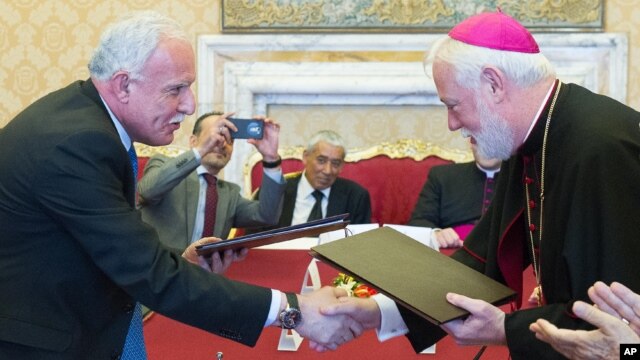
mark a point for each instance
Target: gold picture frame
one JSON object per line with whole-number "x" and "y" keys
{"x": 296, "y": 16}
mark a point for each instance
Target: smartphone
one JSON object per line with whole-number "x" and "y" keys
{"x": 247, "y": 128}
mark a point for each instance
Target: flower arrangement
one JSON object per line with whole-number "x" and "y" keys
{"x": 353, "y": 286}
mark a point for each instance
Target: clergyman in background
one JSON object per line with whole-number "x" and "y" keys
{"x": 454, "y": 197}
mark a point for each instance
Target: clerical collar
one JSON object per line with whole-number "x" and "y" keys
{"x": 489, "y": 173}
{"x": 540, "y": 110}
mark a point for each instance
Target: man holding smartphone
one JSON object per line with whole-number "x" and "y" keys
{"x": 182, "y": 197}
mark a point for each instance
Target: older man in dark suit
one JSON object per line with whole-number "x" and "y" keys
{"x": 76, "y": 256}
{"x": 318, "y": 191}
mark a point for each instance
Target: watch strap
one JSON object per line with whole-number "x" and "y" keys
{"x": 291, "y": 316}
{"x": 292, "y": 300}
{"x": 272, "y": 164}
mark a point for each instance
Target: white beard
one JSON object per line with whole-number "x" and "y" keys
{"x": 495, "y": 138}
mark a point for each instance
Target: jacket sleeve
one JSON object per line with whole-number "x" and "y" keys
{"x": 162, "y": 174}
{"x": 266, "y": 209}
{"x": 83, "y": 188}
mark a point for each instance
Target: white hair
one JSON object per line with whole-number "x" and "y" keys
{"x": 468, "y": 60}
{"x": 127, "y": 44}
{"x": 328, "y": 136}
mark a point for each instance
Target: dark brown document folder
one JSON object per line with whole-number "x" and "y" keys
{"x": 311, "y": 228}
{"x": 410, "y": 273}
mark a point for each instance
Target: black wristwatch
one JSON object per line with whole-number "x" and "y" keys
{"x": 291, "y": 316}
{"x": 272, "y": 164}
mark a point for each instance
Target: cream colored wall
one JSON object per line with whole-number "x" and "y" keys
{"x": 45, "y": 44}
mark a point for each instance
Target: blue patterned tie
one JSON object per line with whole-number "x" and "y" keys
{"x": 133, "y": 157}
{"x": 134, "y": 343}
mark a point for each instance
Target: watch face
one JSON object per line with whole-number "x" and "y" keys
{"x": 290, "y": 318}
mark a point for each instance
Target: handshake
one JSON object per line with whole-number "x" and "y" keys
{"x": 330, "y": 318}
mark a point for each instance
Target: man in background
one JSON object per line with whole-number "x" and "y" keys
{"x": 76, "y": 255}
{"x": 319, "y": 192}
{"x": 184, "y": 200}
{"x": 455, "y": 195}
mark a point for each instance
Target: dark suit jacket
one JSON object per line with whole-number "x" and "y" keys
{"x": 346, "y": 197}
{"x": 169, "y": 193}
{"x": 452, "y": 195}
{"x": 75, "y": 252}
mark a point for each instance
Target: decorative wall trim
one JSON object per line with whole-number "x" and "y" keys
{"x": 402, "y": 16}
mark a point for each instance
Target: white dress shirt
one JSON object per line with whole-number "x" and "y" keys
{"x": 305, "y": 201}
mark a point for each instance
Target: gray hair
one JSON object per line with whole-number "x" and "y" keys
{"x": 328, "y": 136}
{"x": 127, "y": 44}
{"x": 468, "y": 60}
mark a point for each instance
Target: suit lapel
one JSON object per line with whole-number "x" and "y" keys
{"x": 287, "y": 208}
{"x": 192, "y": 189}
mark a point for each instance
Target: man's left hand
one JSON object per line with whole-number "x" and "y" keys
{"x": 215, "y": 263}
{"x": 484, "y": 325}
{"x": 268, "y": 145}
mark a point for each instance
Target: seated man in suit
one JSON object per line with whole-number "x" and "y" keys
{"x": 455, "y": 194}
{"x": 183, "y": 199}
{"x": 318, "y": 191}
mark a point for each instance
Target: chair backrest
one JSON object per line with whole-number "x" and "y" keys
{"x": 393, "y": 173}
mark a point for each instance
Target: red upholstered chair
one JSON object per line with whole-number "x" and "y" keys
{"x": 394, "y": 173}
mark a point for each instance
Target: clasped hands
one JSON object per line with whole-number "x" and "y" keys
{"x": 325, "y": 332}
{"x": 484, "y": 325}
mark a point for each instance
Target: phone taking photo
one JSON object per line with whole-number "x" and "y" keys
{"x": 247, "y": 128}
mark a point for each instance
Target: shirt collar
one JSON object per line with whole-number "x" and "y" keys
{"x": 201, "y": 170}
{"x": 306, "y": 189}
{"x": 124, "y": 137}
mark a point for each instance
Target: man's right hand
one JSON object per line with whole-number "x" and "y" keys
{"x": 219, "y": 134}
{"x": 325, "y": 332}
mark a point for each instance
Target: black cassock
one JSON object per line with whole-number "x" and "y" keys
{"x": 591, "y": 217}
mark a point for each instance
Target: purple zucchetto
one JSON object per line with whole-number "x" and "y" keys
{"x": 495, "y": 30}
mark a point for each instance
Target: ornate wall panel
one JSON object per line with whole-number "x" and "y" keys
{"x": 407, "y": 15}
